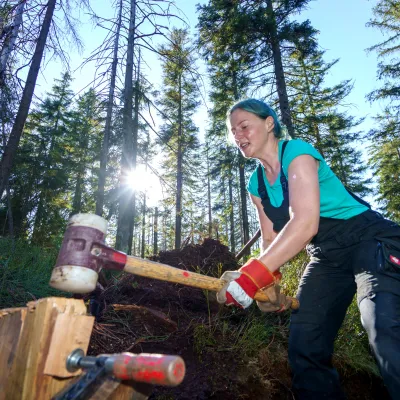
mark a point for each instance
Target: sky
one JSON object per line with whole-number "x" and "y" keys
{"x": 342, "y": 34}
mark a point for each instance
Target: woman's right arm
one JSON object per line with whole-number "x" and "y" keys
{"x": 267, "y": 233}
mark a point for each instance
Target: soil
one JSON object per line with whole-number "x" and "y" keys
{"x": 141, "y": 315}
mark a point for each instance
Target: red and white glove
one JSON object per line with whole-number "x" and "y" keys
{"x": 242, "y": 285}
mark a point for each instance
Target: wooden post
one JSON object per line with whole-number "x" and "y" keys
{"x": 11, "y": 323}
{"x": 34, "y": 344}
{"x": 49, "y": 330}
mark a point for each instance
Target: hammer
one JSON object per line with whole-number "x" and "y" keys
{"x": 84, "y": 253}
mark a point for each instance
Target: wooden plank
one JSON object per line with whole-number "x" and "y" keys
{"x": 11, "y": 323}
{"x": 27, "y": 380}
{"x": 70, "y": 332}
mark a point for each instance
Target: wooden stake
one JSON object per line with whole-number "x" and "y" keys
{"x": 27, "y": 379}
{"x": 11, "y": 323}
{"x": 34, "y": 344}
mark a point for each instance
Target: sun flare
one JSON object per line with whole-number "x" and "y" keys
{"x": 141, "y": 180}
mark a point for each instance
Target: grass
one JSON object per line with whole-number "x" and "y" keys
{"x": 25, "y": 273}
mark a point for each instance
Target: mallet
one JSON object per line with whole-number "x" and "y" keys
{"x": 84, "y": 253}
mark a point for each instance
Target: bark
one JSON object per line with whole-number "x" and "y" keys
{"x": 77, "y": 200}
{"x": 9, "y": 212}
{"x": 16, "y": 132}
{"x": 279, "y": 74}
{"x": 125, "y": 192}
{"x": 231, "y": 217}
{"x": 9, "y": 42}
{"x": 179, "y": 174}
{"x": 242, "y": 179}
{"x": 209, "y": 197}
{"x": 155, "y": 233}
{"x": 135, "y": 147}
{"x": 107, "y": 128}
{"x": 143, "y": 226}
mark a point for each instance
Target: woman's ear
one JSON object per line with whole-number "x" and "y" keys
{"x": 269, "y": 123}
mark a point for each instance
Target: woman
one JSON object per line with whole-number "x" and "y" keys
{"x": 300, "y": 202}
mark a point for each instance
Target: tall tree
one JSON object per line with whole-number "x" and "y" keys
{"x": 128, "y": 163}
{"x": 229, "y": 63}
{"x": 84, "y": 137}
{"x": 179, "y": 102}
{"x": 52, "y": 183}
{"x": 107, "y": 127}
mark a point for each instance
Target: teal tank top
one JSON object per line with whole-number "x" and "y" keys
{"x": 335, "y": 200}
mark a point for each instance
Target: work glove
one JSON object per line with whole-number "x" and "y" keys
{"x": 277, "y": 301}
{"x": 242, "y": 285}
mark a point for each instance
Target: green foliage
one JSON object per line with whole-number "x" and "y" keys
{"x": 204, "y": 338}
{"x": 178, "y": 134}
{"x": 385, "y": 161}
{"x": 25, "y": 272}
{"x": 292, "y": 272}
{"x": 385, "y": 147}
{"x": 317, "y": 119}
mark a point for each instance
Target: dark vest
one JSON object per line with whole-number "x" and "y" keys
{"x": 280, "y": 215}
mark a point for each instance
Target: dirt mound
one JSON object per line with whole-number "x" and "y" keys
{"x": 139, "y": 315}
{"x": 209, "y": 258}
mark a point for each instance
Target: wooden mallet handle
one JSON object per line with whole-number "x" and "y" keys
{"x": 163, "y": 272}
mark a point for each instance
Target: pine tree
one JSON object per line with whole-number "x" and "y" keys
{"x": 52, "y": 183}
{"x": 317, "y": 117}
{"x": 84, "y": 138}
{"x": 385, "y": 138}
{"x": 178, "y": 134}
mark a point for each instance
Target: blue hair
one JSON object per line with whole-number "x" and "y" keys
{"x": 262, "y": 110}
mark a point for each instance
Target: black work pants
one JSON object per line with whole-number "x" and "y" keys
{"x": 340, "y": 267}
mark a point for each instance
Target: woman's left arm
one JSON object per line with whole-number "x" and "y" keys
{"x": 304, "y": 210}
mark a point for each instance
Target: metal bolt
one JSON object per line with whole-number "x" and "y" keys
{"x": 96, "y": 251}
{"x": 73, "y": 360}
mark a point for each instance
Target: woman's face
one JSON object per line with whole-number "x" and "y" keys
{"x": 250, "y": 132}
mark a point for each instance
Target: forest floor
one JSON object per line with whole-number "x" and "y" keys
{"x": 142, "y": 315}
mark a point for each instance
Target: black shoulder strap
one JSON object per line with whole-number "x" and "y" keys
{"x": 284, "y": 182}
{"x": 262, "y": 190}
{"x": 359, "y": 199}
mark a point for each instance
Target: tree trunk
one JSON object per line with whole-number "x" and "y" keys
{"x": 155, "y": 235}
{"x": 231, "y": 217}
{"x": 209, "y": 197}
{"x": 16, "y": 132}
{"x": 125, "y": 190}
{"x": 242, "y": 179}
{"x": 9, "y": 42}
{"x": 178, "y": 208}
{"x": 107, "y": 128}
{"x": 9, "y": 212}
{"x": 243, "y": 199}
{"x": 77, "y": 200}
{"x": 143, "y": 226}
{"x": 135, "y": 147}
{"x": 279, "y": 74}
